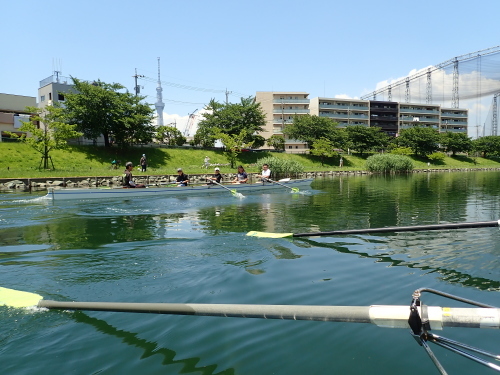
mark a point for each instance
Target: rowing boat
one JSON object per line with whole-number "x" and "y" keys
{"x": 119, "y": 192}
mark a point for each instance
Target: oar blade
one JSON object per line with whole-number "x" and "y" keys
{"x": 295, "y": 190}
{"x": 16, "y": 298}
{"x": 269, "y": 235}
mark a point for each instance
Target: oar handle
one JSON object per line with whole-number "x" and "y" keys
{"x": 383, "y": 316}
{"x": 480, "y": 224}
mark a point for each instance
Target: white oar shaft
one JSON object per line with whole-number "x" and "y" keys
{"x": 384, "y": 316}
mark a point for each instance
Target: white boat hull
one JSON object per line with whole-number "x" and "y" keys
{"x": 95, "y": 193}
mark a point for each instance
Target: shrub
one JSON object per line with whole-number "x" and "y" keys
{"x": 402, "y": 151}
{"x": 389, "y": 163}
{"x": 436, "y": 157}
{"x": 281, "y": 167}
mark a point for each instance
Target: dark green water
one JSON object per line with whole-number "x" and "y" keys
{"x": 195, "y": 250}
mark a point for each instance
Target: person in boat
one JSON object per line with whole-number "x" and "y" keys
{"x": 128, "y": 179}
{"x": 182, "y": 179}
{"x": 266, "y": 172}
{"x": 241, "y": 176}
{"x": 217, "y": 177}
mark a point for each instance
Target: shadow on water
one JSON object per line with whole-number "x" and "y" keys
{"x": 150, "y": 348}
{"x": 449, "y": 275}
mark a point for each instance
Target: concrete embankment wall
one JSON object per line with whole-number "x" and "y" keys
{"x": 26, "y": 184}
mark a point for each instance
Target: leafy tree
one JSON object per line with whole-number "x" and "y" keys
{"x": 277, "y": 142}
{"x": 169, "y": 135}
{"x": 53, "y": 135}
{"x": 456, "y": 142}
{"x": 421, "y": 140}
{"x": 323, "y": 148}
{"x": 100, "y": 108}
{"x": 487, "y": 145}
{"x": 233, "y": 143}
{"x": 309, "y": 128}
{"x": 362, "y": 138}
{"x": 231, "y": 119}
{"x": 258, "y": 141}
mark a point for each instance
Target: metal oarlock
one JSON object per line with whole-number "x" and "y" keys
{"x": 420, "y": 327}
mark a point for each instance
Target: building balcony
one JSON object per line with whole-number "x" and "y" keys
{"x": 290, "y": 111}
{"x": 343, "y": 116}
{"x": 409, "y": 126}
{"x": 453, "y": 115}
{"x": 453, "y": 130}
{"x": 419, "y": 119}
{"x": 291, "y": 101}
{"x": 345, "y": 107}
{"x": 453, "y": 123}
{"x": 277, "y": 130}
{"x": 412, "y": 110}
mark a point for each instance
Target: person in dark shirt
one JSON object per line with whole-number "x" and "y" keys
{"x": 182, "y": 179}
{"x": 241, "y": 177}
{"x": 127, "y": 178}
{"x": 217, "y": 177}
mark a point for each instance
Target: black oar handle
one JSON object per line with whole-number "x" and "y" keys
{"x": 479, "y": 224}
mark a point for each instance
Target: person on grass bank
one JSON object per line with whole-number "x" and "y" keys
{"x": 143, "y": 162}
{"x": 182, "y": 179}
{"x": 241, "y": 177}
{"x": 217, "y": 177}
{"x": 127, "y": 178}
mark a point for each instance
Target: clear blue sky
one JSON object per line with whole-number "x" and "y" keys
{"x": 322, "y": 47}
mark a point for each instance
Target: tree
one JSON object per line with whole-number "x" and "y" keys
{"x": 169, "y": 135}
{"x": 323, "y": 148}
{"x": 487, "y": 145}
{"x": 233, "y": 145}
{"x": 277, "y": 142}
{"x": 456, "y": 142}
{"x": 309, "y": 128}
{"x": 231, "y": 119}
{"x": 53, "y": 136}
{"x": 100, "y": 109}
{"x": 421, "y": 140}
{"x": 362, "y": 138}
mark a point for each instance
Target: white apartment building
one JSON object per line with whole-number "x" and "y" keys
{"x": 280, "y": 107}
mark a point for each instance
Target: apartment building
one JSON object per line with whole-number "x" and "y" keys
{"x": 343, "y": 111}
{"x": 12, "y": 112}
{"x": 280, "y": 108}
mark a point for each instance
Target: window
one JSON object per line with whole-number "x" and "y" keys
{"x": 50, "y": 96}
{"x": 42, "y": 98}
{"x": 60, "y": 97}
{"x": 289, "y": 146}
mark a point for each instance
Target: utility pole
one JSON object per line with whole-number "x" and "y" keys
{"x": 227, "y": 93}
{"x": 137, "y": 89}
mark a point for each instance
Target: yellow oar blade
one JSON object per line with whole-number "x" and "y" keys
{"x": 269, "y": 235}
{"x": 16, "y": 298}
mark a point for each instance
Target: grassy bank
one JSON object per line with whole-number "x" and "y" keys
{"x": 20, "y": 161}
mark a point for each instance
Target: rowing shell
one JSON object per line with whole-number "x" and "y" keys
{"x": 119, "y": 192}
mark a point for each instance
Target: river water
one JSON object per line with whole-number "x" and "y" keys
{"x": 194, "y": 250}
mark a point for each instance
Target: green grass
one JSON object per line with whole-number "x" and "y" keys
{"x": 20, "y": 161}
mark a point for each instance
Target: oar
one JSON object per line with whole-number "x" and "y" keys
{"x": 293, "y": 189}
{"x": 233, "y": 191}
{"x": 479, "y": 224}
{"x": 383, "y": 316}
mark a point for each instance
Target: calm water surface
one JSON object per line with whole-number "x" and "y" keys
{"x": 195, "y": 250}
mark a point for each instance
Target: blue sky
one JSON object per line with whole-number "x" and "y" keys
{"x": 325, "y": 48}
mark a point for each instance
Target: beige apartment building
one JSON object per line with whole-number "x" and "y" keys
{"x": 280, "y": 107}
{"x": 12, "y": 112}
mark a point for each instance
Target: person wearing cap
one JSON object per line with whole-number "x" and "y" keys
{"x": 217, "y": 177}
{"x": 143, "y": 162}
{"x": 127, "y": 178}
{"x": 182, "y": 179}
